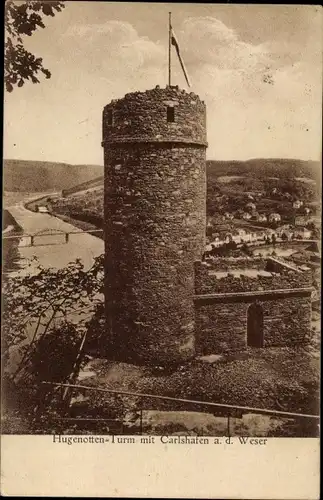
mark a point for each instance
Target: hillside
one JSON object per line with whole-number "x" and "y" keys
{"x": 40, "y": 176}
{"x": 85, "y": 186}
{"x": 277, "y": 182}
{"x": 266, "y": 167}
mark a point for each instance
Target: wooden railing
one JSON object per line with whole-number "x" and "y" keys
{"x": 228, "y": 409}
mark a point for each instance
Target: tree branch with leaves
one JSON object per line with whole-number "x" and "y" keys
{"x": 23, "y": 19}
{"x": 50, "y": 317}
{"x": 34, "y": 304}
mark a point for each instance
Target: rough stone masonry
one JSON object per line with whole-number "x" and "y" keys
{"x": 155, "y": 212}
{"x": 155, "y": 223}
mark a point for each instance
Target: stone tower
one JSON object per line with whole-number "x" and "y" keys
{"x": 154, "y": 221}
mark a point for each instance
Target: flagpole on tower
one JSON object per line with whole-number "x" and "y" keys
{"x": 173, "y": 41}
{"x": 169, "y": 48}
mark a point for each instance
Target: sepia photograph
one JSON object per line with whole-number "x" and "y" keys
{"x": 161, "y": 237}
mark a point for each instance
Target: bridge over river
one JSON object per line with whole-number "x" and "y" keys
{"x": 54, "y": 242}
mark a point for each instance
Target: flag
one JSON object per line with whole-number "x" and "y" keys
{"x": 176, "y": 45}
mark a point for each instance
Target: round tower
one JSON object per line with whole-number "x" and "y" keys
{"x": 154, "y": 222}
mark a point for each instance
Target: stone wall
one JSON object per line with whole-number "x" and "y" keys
{"x": 282, "y": 277}
{"x": 221, "y": 325}
{"x": 232, "y": 263}
{"x": 154, "y": 213}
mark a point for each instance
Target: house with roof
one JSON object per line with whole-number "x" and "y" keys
{"x": 261, "y": 218}
{"x": 269, "y": 232}
{"x": 282, "y": 228}
{"x": 274, "y": 217}
{"x": 302, "y": 220}
{"x": 246, "y": 236}
{"x": 297, "y": 204}
{"x": 286, "y": 234}
{"x": 302, "y": 232}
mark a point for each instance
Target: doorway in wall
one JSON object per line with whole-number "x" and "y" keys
{"x": 255, "y": 326}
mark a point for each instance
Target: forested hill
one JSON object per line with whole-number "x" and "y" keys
{"x": 34, "y": 176}
{"x": 266, "y": 167}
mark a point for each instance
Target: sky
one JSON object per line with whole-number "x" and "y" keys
{"x": 257, "y": 67}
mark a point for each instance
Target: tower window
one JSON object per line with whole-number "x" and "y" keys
{"x": 170, "y": 114}
{"x": 110, "y": 117}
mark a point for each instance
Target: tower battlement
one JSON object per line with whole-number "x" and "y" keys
{"x": 158, "y": 115}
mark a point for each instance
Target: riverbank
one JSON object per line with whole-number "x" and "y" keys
{"x": 80, "y": 224}
{"x": 79, "y": 221}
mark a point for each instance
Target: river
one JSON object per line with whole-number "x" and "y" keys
{"x": 52, "y": 251}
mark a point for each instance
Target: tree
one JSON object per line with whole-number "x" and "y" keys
{"x": 311, "y": 226}
{"x": 24, "y": 19}
{"x": 35, "y": 304}
{"x": 50, "y": 318}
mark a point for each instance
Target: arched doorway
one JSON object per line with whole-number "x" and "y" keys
{"x": 255, "y": 326}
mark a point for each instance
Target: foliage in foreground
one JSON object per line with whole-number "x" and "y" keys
{"x": 23, "y": 19}
{"x": 48, "y": 315}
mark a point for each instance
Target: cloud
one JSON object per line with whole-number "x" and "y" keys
{"x": 210, "y": 29}
{"x": 203, "y": 41}
{"x": 114, "y": 42}
{"x": 116, "y": 30}
{"x": 209, "y": 40}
